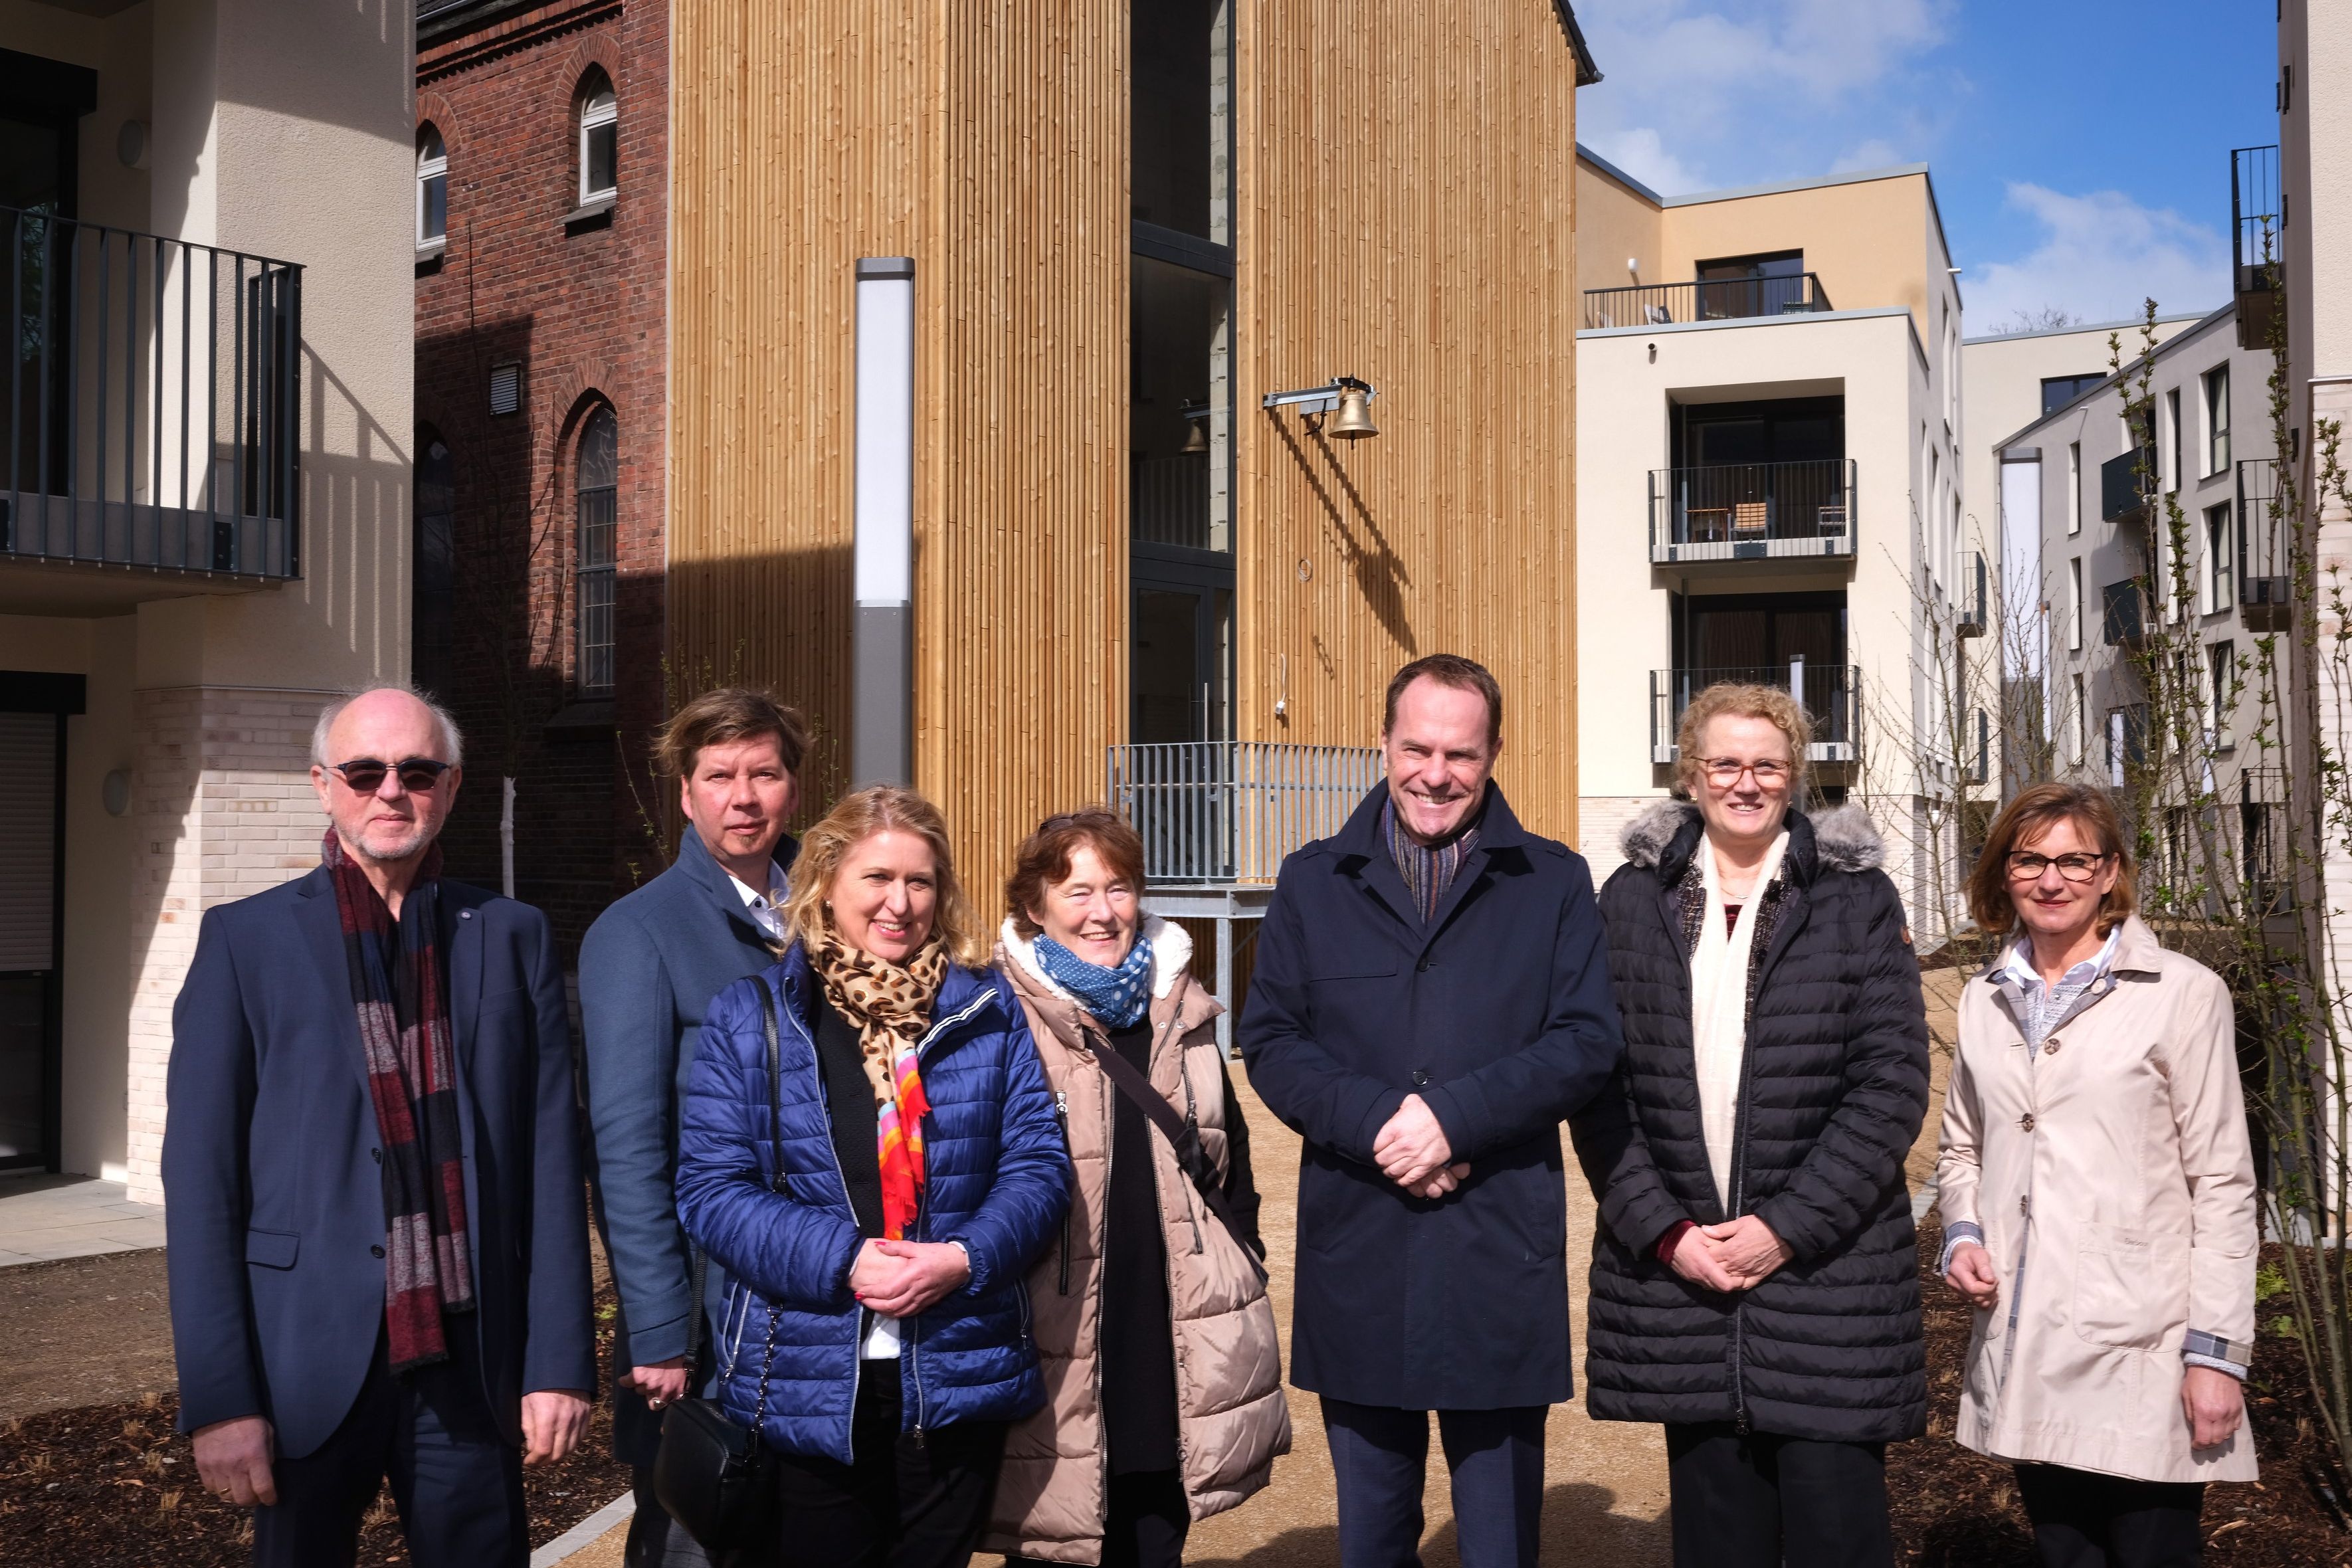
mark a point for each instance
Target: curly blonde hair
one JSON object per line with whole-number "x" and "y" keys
{"x": 1740, "y": 700}
{"x": 881, "y": 809}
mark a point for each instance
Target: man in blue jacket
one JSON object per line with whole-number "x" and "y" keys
{"x": 379, "y": 1250}
{"x": 648, "y": 969}
{"x": 1431, "y": 998}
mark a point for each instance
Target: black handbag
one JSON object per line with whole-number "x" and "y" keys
{"x": 713, "y": 1474}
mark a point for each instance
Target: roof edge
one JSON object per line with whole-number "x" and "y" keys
{"x": 2085, "y": 327}
{"x": 1778, "y": 187}
{"x": 1587, "y": 71}
{"x": 2179, "y": 341}
{"x": 1618, "y": 174}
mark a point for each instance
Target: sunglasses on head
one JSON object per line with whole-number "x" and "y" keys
{"x": 366, "y": 774}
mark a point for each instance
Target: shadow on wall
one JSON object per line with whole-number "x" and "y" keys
{"x": 1381, "y": 576}
{"x": 1579, "y": 1532}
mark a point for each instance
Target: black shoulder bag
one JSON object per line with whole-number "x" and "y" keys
{"x": 1182, "y": 1135}
{"x": 712, "y": 1475}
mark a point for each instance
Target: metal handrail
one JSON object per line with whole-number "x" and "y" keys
{"x": 1713, "y": 299}
{"x": 1229, "y": 811}
{"x": 2257, "y": 214}
{"x": 1831, "y": 695}
{"x": 1731, "y": 511}
{"x": 151, "y": 411}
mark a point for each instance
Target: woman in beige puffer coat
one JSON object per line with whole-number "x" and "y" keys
{"x": 1163, "y": 1378}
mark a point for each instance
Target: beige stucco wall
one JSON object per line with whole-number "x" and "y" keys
{"x": 1614, "y": 225}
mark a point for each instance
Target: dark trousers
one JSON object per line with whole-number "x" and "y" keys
{"x": 2086, "y": 1520}
{"x": 1379, "y": 1457}
{"x": 903, "y": 1503}
{"x": 1144, "y": 1524}
{"x": 655, "y": 1540}
{"x": 457, "y": 1481}
{"x": 1761, "y": 1501}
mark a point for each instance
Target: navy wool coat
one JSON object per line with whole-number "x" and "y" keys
{"x": 997, "y": 1179}
{"x": 274, "y": 1197}
{"x": 1833, "y": 1086}
{"x": 1499, "y": 1015}
{"x": 648, "y": 969}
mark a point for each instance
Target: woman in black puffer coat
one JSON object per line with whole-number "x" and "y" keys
{"x": 1755, "y": 1282}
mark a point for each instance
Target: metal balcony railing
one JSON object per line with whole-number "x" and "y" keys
{"x": 1974, "y": 598}
{"x": 1228, "y": 811}
{"x": 1980, "y": 770}
{"x": 2265, "y": 571}
{"x": 2257, "y": 216}
{"x": 1752, "y": 512}
{"x": 2120, "y": 495}
{"x": 1829, "y": 693}
{"x": 1722, "y": 300}
{"x": 150, "y": 410}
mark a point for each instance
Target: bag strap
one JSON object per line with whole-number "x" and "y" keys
{"x": 776, "y": 1144}
{"x": 696, "y": 1328}
{"x": 1183, "y": 1135}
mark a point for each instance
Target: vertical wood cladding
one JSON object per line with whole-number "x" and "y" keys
{"x": 1405, "y": 183}
{"x": 1406, "y": 180}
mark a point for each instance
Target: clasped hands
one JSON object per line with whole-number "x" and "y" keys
{"x": 1733, "y": 1256}
{"x": 900, "y": 1278}
{"x": 1412, "y": 1150}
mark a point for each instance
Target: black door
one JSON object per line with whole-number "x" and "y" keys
{"x": 1180, "y": 665}
{"x": 33, "y": 711}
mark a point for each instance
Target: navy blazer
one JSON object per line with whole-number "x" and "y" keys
{"x": 648, "y": 969}
{"x": 1499, "y": 1014}
{"x": 273, "y": 1190}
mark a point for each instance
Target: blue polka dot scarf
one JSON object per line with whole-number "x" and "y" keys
{"x": 1116, "y": 998}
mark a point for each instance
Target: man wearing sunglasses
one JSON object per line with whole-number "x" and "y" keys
{"x": 378, "y": 1254}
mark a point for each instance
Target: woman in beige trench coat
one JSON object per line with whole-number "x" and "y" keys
{"x": 2098, "y": 1198}
{"x": 1163, "y": 1378}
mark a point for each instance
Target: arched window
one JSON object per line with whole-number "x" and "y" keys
{"x": 432, "y": 189}
{"x": 432, "y": 612}
{"x": 597, "y": 468}
{"x": 600, "y": 126}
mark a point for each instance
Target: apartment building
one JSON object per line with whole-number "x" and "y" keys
{"x": 204, "y": 503}
{"x": 2128, "y": 587}
{"x": 542, "y": 309}
{"x": 1769, "y": 406}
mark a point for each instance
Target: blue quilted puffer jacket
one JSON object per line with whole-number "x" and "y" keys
{"x": 997, "y": 1179}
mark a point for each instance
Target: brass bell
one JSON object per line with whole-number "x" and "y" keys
{"x": 1196, "y": 436}
{"x": 1354, "y": 419}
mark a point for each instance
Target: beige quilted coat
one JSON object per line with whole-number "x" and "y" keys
{"x": 1232, "y": 1419}
{"x": 2113, "y": 1180}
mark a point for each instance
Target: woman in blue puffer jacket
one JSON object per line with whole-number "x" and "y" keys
{"x": 878, "y": 1329}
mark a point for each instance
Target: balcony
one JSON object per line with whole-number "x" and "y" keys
{"x": 1969, "y": 615}
{"x": 2125, "y": 617}
{"x": 1725, "y": 299}
{"x": 1829, "y": 693}
{"x": 151, "y": 413}
{"x": 1752, "y": 512}
{"x": 1980, "y": 770}
{"x": 1218, "y": 812}
{"x": 2265, "y": 571}
{"x": 2257, "y": 214}
{"x": 2121, "y": 495}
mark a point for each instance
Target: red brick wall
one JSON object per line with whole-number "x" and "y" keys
{"x": 584, "y": 307}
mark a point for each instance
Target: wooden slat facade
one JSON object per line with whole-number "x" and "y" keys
{"x": 1404, "y": 178}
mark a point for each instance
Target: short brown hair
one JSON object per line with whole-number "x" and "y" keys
{"x": 1741, "y": 699}
{"x": 1449, "y": 669}
{"x": 880, "y": 808}
{"x": 2034, "y": 812}
{"x": 721, "y": 717}
{"x": 1044, "y": 857}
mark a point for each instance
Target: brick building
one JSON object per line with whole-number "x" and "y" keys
{"x": 541, "y": 133}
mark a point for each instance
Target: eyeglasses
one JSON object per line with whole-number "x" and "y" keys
{"x": 366, "y": 774}
{"x": 1722, "y": 772}
{"x": 2024, "y": 867}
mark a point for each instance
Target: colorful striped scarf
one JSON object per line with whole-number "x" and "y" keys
{"x": 400, "y": 987}
{"x": 890, "y": 1004}
{"x": 1428, "y": 869}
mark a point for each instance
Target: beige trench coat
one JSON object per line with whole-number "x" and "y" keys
{"x": 1232, "y": 1419}
{"x": 2111, "y": 1174}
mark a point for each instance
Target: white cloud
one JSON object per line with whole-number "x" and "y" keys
{"x": 1642, "y": 153}
{"x": 1875, "y": 153}
{"x": 2100, "y": 254}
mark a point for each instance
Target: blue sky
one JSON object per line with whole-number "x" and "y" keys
{"x": 2079, "y": 148}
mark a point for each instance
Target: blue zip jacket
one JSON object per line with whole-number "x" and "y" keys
{"x": 997, "y": 1179}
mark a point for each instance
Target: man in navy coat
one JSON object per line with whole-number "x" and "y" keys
{"x": 1431, "y": 998}
{"x": 378, "y": 1231}
{"x": 648, "y": 969}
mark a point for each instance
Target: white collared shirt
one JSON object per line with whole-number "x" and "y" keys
{"x": 767, "y": 909}
{"x": 2045, "y": 1004}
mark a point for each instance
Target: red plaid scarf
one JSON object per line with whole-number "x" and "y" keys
{"x": 400, "y": 989}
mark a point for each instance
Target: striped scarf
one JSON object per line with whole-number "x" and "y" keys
{"x": 1428, "y": 869}
{"x": 401, "y": 990}
{"x": 891, "y": 1007}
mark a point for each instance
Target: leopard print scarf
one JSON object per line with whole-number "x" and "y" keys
{"x": 890, "y": 1004}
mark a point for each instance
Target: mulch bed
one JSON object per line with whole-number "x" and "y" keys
{"x": 1954, "y": 1508}
{"x": 112, "y": 1486}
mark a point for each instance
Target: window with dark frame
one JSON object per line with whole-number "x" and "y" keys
{"x": 2221, "y": 559}
{"x": 2217, "y": 419}
{"x": 596, "y": 491}
{"x": 2057, "y": 391}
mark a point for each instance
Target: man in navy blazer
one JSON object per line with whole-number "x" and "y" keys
{"x": 344, "y": 1086}
{"x": 648, "y": 969}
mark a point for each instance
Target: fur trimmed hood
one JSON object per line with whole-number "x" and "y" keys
{"x": 1844, "y": 837}
{"x": 1171, "y": 955}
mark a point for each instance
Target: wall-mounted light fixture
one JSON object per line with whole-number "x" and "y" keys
{"x": 1196, "y": 435}
{"x": 1345, "y": 393}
